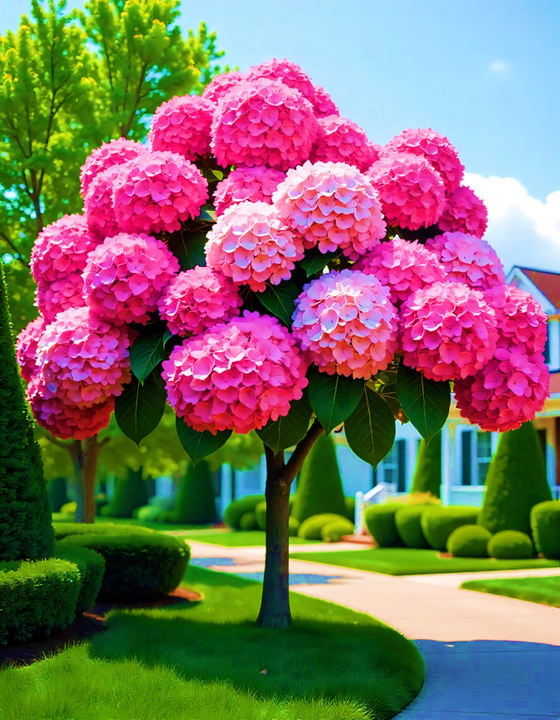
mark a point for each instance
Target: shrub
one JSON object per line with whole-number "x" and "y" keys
{"x": 334, "y": 531}
{"x": 293, "y": 527}
{"x": 469, "y": 541}
{"x": 195, "y": 503}
{"x": 101, "y": 500}
{"x": 380, "y": 524}
{"x": 545, "y": 523}
{"x": 438, "y": 523}
{"x": 408, "y": 524}
{"x": 350, "y": 503}
{"x": 260, "y": 514}
{"x": 311, "y": 528}
{"x": 91, "y": 565}
{"x": 69, "y": 508}
{"x": 510, "y": 545}
{"x": 427, "y": 473}
{"x": 64, "y": 529}
{"x": 248, "y": 521}
{"x": 150, "y": 513}
{"x": 130, "y": 493}
{"x": 238, "y": 508}
{"x": 57, "y": 492}
{"x": 138, "y": 564}
{"x": 164, "y": 503}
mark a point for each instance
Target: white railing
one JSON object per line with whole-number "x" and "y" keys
{"x": 375, "y": 496}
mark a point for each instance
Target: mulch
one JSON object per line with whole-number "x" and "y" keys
{"x": 89, "y": 624}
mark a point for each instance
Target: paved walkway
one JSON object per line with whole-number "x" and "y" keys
{"x": 487, "y": 657}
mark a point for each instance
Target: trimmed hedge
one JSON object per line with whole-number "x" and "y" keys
{"x": 150, "y": 513}
{"x": 37, "y": 598}
{"x": 91, "y": 565}
{"x": 469, "y": 541}
{"x": 336, "y": 530}
{"x": 380, "y": 523}
{"x": 195, "y": 503}
{"x": 130, "y": 493}
{"x": 427, "y": 473}
{"x": 260, "y": 515}
{"x": 293, "y": 527}
{"x": 163, "y": 503}
{"x": 350, "y": 503}
{"x": 64, "y": 529}
{"x": 311, "y": 528}
{"x": 69, "y": 508}
{"x": 238, "y": 508}
{"x": 248, "y": 521}
{"x": 545, "y": 523}
{"x": 510, "y": 545}
{"x": 408, "y": 524}
{"x": 438, "y": 523}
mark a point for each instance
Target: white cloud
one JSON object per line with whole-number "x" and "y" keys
{"x": 522, "y": 229}
{"x": 499, "y": 66}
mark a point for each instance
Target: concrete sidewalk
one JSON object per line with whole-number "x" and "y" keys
{"x": 488, "y": 657}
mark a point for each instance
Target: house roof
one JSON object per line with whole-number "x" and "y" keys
{"x": 547, "y": 282}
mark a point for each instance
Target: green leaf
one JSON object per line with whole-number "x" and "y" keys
{"x": 139, "y": 408}
{"x": 280, "y": 300}
{"x": 370, "y": 430}
{"x": 288, "y": 431}
{"x": 147, "y": 352}
{"x": 333, "y": 397}
{"x": 167, "y": 335}
{"x": 207, "y": 213}
{"x": 425, "y": 402}
{"x": 188, "y": 247}
{"x": 199, "y": 444}
{"x": 314, "y": 261}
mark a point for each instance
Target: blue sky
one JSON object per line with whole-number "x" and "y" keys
{"x": 485, "y": 73}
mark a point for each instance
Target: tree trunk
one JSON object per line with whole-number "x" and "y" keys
{"x": 84, "y": 454}
{"x": 78, "y": 459}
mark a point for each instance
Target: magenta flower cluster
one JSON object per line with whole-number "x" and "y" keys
{"x": 98, "y": 204}
{"x": 182, "y": 125}
{"x": 26, "y": 346}
{"x": 340, "y": 140}
{"x": 115, "y": 152}
{"x": 464, "y": 212}
{"x": 256, "y": 184}
{"x": 520, "y": 319}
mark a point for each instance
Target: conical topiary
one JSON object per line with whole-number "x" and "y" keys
{"x": 195, "y": 503}
{"x": 516, "y": 481}
{"x": 130, "y": 493}
{"x": 319, "y": 486}
{"x": 26, "y": 531}
{"x": 427, "y": 473}
{"x": 57, "y": 492}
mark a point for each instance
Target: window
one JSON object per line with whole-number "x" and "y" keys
{"x": 483, "y": 455}
{"x": 476, "y": 453}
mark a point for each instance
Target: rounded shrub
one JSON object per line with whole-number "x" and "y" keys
{"x": 336, "y": 530}
{"x": 510, "y": 545}
{"x": 350, "y": 503}
{"x": 91, "y": 565}
{"x": 311, "y": 528}
{"x": 380, "y": 524}
{"x": 149, "y": 513}
{"x": 238, "y": 508}
{"x": 469, "y": 541}
{"x": 164, "y": 503}
{"x": 293, "y": 527}
{"x": 409, "y": 528}
{"x": 195, "y": 503}
{"x": 64, "y": 529}
{"x": 69, "y": 508}
{"x": 248, "y": 521}
{"x": 545, "y": 523}
{"x": 260, "y": 514}
{"x": 438, "y": 523}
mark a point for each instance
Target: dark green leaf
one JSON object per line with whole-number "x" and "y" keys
{"x": 333, "y": 397}
{"x": 167, "y": 335}
{"x": 370, "y": 430}
{"x": 188, "y": 247}
{"x": 425, "y": 402}
{"x": 147, "y": 352}
{"x": 207, "y": 213}
{"x": 280, "y": 300}
{"x": 199, "y": 444}
{"x": 288, "y": 431}
{"x": 314, "y": 261}
{"x": 139, "y": 408}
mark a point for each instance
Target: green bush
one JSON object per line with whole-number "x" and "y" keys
{"x": 427, "y": 473}
{"x": 91, "y": 565}
{"x": 334, "y": 531}
{"x": 545, "y": 523}
{"x": 69, "y": 508}
{"x": 293, "y": 527}
{"x": 37, "y": 598}
{"x": 260, "y": 514}
{"x": 238, "y": 508}
{"x": 164, "y": 503}
{"x": 130, "y": 493}
{"x": 408, "y": 524}
{"x": 248, "y": 521}
{"x": 350, "y": 503}
{"x": 64, "y": 529}
{"x": 380, "y": 524}
{"x": 438, "y": 523}
{"x": 195, "y": 503}
{"x": 469, "y": 541}
{"x": 57, "y": 492}
{"x": 138, "y": 565}
{"x": 311, "y": 528}
{"x": 101, "y": 500}
{"x": 149, "y": 513}
{"x": 510, "y": 545}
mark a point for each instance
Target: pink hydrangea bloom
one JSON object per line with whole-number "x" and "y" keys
{"x": 52, "y": 298}
{"x": 464, "y": 211}
{"x": 468, "y": 259}
{"x": 98, "y": 204}
{"x": 236, "y": 376}
{"x": 115, "y": 152}
{"x": 84, "y": 359}
{"x": 520, "y": 319}
{"x": 403, "y": 267}
{"x": 263, "y": 122}
{"x": 250, "y": 244}
{"x": 158, "y": 191}
{"x": 507, "y": 392}
{"x": 341, "y": 140}
{"x": 220, "y": 85}
{"x": 435, "y": 148}
{"x": 346, "y": 324}
{"x": 331, "y": 205}
{"x": 411, "y": 191}
{"x": 255, "y": 183}
{"x": 125, "y": 277}
{"x": 197, "y": 299}
{"x": 62, "y": 418}
{"x": 324, "y": 104}
{"x": 448, "y": 331}
{"x": 26, "y": 346}
{"x": 182, "y": 125}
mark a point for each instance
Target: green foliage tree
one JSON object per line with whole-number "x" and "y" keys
{"x": 516, "y": 481}
{"x": 195, "y": 502}
{"x": 26, "y": 531}
{"x": 427, "y": 473}
{"x": 130, "y": 492}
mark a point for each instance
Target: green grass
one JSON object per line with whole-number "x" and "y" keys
{"x": 542, "y": 590}
{"x": 60, "y": 517}
{"x": 238, "y": 538}
{"x": 203, "y": 661}
{"x": 406, "y": 561}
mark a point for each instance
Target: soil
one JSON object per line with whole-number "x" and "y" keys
{"x": 88, "y": 624}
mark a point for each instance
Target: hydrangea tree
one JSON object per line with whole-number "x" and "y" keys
{"x": 262, "y": 265}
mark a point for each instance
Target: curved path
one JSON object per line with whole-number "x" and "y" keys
{"x": 487, "y": 657}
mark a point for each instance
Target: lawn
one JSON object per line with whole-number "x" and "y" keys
{"x": 61, "y": 517}
{"x": 205, "y": 660}
{"x": 542, "y": 590}
{"x": 406, "y": 561}
{"x": 238, "y": 538}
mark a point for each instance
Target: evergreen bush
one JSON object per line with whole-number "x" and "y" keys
{"x": 260, "y": 515}
{"x": 293, "y": 527}
{"x": 334, "y": 531}
{"x": 545, "y": 523}
{"x": 91, "y": 565}
{"x": 311, "y": 528}
{"x": 380, "y": 524}
{"x": 195, "y": 503}
{"x": 438, "y": 523}
{"x": 238, "y": 508}
{"x": 350, "y": 503}
{"x": 130, "y": 493}
{"x": 427, "y": 473}
{"x": 248, "y": 521}
{"x": 409, "y": 528}
{"x": 469, "y": 541}
{"x": 57, "y": 492}
{"x": 510, "y": 545}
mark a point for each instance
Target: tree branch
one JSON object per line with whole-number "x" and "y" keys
{"x": 17, "y": 253}
{"x": 302, "y": 450}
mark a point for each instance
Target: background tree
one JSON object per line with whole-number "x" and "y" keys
{"x": 427, "y": 473}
